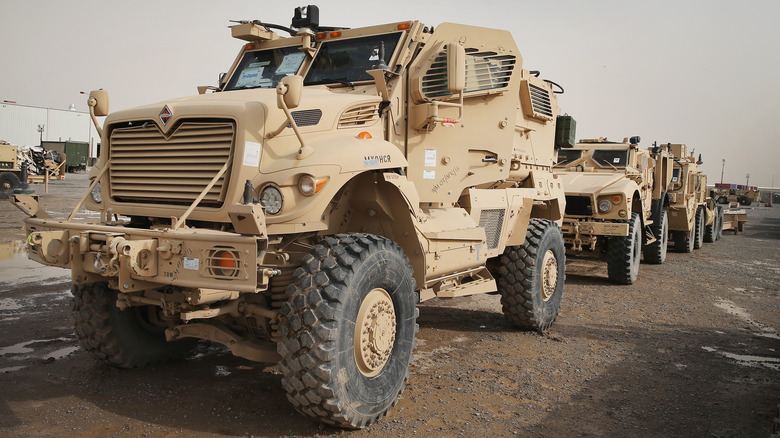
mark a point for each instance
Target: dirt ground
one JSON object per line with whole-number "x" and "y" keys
{"x": 692, "y": 349}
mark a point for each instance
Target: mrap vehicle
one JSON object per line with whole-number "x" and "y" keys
{"x": 299, "y": 210}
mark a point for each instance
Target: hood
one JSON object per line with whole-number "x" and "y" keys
{"x": 586, "y": 183}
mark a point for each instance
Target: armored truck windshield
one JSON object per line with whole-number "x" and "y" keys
{"x": 264, "y": 68}
{"x": 346, "y": 61}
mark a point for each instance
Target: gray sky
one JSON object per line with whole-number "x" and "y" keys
{"x": 703, "y": 73}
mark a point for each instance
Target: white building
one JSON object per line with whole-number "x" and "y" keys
{"x": 19, "y": 126}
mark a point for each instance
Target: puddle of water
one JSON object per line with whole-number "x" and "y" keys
{"x": 11, "y": 369}
{"x": 62, "y": 352}
{"x": 748, "y": 360}
{"x": 24, "y": 347}
{"x": 732, "y": 309}
{"x": 19, "y": 269}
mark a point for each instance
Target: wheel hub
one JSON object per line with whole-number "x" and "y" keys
{"x": 374, "y": 332}
{"x": 549, "y": 275}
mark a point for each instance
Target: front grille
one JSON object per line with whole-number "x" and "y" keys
{"x": 148, "y": 167}
{"x": 578, "y": 206}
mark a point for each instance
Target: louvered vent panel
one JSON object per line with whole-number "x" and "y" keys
{"x": 307, "y": 117}
{"x": 146, "y": 167}
{"x": 540, "y": 101}
{"x": 484, "y": 71}
{"x": 359, "y": 116}
{"x": 492, "y": 221}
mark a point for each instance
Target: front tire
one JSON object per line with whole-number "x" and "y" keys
{"x": 530, "y": 277}
{"x": 655, "y": 253}
{"x": 129, "y": 338}
{"x": 8, "y": 182}
{"x": 348, "y": 330}
{"x": 623, "y": 254}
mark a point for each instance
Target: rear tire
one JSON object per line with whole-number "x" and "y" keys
{"x": 699, "y": 228}
{"x": 711, "y": 230}
{"x": 720, "y": 223}
{"x": 530, "y": 277}
{"x": 129, "y": 338}
{"x": 655, "y": 253}
{"x": 348, "y": 330}
{"x": 623, "y": 253}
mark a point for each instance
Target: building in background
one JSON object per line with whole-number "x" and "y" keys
{"x": 19, "y": 125}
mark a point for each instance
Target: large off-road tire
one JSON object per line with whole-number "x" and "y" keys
{"x": 129, "y": 338}
{"x": 682, "y": 242}
{"x": 698, "y": 233}
{"x": 8, "y": 182}
{"x": 530, "y": 277}
{"x": 723, "y": 200}
{"x": 713, "y": 231}
{"x": 623, "y": 253}
{"x": 655, "y": 253}
{"x": 348, "y": 330}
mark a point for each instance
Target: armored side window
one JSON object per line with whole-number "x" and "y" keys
{"x": 346, "y": 61}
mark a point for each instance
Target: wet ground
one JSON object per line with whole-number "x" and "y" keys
{"x": 692, "y": 349}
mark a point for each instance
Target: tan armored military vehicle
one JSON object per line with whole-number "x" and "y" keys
{"x": 298, "y": 212}
{"x": 691, "y": 216}
{"x": 615, "y": 203}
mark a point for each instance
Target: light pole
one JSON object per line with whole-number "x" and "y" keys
{"x": 40, "y": 130}
{"x": 747, "y": 179}
{"x": 722, "y": 168}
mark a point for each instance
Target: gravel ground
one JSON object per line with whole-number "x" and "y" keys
{"x": 692, "y": 349}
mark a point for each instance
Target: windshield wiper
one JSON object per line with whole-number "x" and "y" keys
{"x": 604, "y": 160}
{"x": 332, "y": 81}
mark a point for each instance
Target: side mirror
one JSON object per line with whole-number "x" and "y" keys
{"x": 456, "y": 67}
{"x": 290, "y": 88}
{"x": 98, "y": 100}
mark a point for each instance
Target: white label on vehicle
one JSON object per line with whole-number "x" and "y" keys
{"x": 430, "y": 158}
{"x": 191, "y": 263}
{"x": 616, "y": 160}
{"x": 429, "y": 174}
{"x": 252, "y": 154}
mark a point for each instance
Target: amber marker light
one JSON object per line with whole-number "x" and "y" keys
{"x": 335, "y": 34}
{"x": 404, "y": 26}
{"x": 309, "y": 185}
{"x": 226, "y": 260}
{"x": 616, "y": 199}
{"x": 321, "y": 36}
{"x": 250, "y": 47}
{"x": 365, "y": 135}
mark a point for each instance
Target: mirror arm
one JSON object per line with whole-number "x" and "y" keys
{"x": 304, "y": 151}
{"x": 92, "y": 102}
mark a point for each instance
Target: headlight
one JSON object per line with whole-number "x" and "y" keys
{"x": 271, "y": 200}
{"x": 309, "y": 185}
{"x": 604, "y": 206}
{"x": 96, "y": 195}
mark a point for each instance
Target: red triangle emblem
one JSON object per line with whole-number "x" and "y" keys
{"x": 165, "y": 115}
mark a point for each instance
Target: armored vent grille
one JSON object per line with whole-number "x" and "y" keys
{"x": 540, "y": 100}
{"x": 484, "y": 71}
{"x": 492, "y": 221}
{"x": 307, "y": 117}
{"x": 150, "y": 168}
{"x": 578, "y": 206}
{"x": 359, "y": 116}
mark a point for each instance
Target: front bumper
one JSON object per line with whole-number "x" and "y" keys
{"x": 132, "y": 259}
